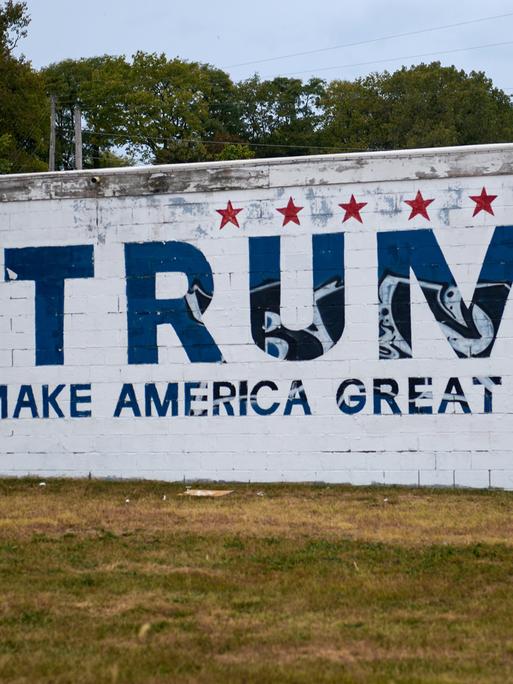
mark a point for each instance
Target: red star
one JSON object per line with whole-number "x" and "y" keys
{"x": 419, "y": 206}
{"x": 483, "y": 202}
{"x": 352, "y": 209}
{"x": 290, "y": 212}
{"x": 229, "y": 215}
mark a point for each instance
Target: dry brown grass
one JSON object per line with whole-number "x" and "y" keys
{"x": 302, "y": 584}
{"x": 392, "y": 516}
{"x": 402, "y": 516}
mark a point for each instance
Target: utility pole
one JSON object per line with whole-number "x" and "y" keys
{"x": 51, "y": 154}
{"x": 78, "y": 137}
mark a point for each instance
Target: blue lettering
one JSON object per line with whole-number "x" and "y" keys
{"x": 381, "y": 395}
{"x": 191, "y": 396}
{"x": 75, "y": 400}
{"x": 327, "y": 326}
{"x": 127, "y": 400}
{"x": 26, "y": 400}
{"x": 50, "y": 400}
{"x": 488, "y": 384}
{"x": 454, "y": 394}
{"x": 414, "y": 395}
{"x": 470, "y": 330}
{"x": 297, "y": 397}
{"x": 3, "y": 401}
{"x": 152, "y": 398}
{"x": 146, "y": 312}
{"x": 221, "y": 398}
{"x": 49, "y": 267}
{"x": 260, "y": 410}
{"x": 357, "y": 400}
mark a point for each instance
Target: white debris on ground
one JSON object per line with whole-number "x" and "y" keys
{"x": 206, "y": 492}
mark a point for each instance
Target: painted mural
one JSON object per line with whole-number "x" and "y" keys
{"x": 317, "y": 320}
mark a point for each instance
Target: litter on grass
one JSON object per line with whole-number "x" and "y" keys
{"x": 206, "y": 492}
{"x": 144, "y": 631}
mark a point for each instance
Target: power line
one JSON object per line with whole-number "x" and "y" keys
{"x": 144, "y": 106}
{"x": 371, "y": 40}
{"x": 147, "y": 107}
{"x": 145, "y": 138}
{"x": 396, "y": 59}
{"x": 229, "y": 103}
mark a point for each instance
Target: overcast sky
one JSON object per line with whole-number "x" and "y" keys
{"x": 228, "y": 32}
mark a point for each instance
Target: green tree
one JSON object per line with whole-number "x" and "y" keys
{"x": 174, "y": 108}
{"x": 153, "y": 109}
{"x": 281, "y": 116}
{"x": 24, "y": 111}
{"x": 234, "y": 151}
{"x": 13, "y": 24}
{"x": 422, "y": 106}
{"x": 99, "y": 86}
{"x": 352, "y": 113}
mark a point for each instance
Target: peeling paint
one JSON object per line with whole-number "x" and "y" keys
{"x": 310, "y": 171}
{"x": 200, "y": 232}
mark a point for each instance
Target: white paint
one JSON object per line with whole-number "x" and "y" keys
{"x": 170, "y": 285}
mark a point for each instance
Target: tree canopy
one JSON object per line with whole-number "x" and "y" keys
{"x": 13, "y": 24}
{"x": 23, "y": 100}
{"x": 153, "y": 109}
{"x": 422, "y": 106}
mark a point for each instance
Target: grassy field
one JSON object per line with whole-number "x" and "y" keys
{"x": 270, "y": 584}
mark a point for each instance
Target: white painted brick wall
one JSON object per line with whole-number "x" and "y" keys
{"x": 448, "y": 449}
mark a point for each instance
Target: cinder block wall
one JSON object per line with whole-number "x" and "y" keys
{"x": 250, "y": 321}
